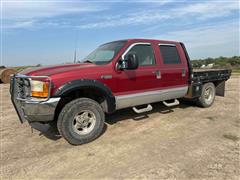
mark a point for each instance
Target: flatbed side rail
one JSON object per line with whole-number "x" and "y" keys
{"x": 211, "y": 75}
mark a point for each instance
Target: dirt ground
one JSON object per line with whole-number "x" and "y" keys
{"x": 184, "y": 142}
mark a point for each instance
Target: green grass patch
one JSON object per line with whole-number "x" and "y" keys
{"x": 237, "y": 71}
{"x": 231, "y": 137}
{"x": 21, "y": 68}
{"x": 211, "y": 118}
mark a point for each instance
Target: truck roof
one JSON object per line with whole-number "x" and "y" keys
{"x": 146, "y": 40}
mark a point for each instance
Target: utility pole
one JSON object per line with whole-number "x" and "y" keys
{"x": 75, "y": 50}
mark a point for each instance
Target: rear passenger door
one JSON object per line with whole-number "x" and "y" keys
{"x": 174, "y": 71}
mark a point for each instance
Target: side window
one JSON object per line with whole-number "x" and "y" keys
{"x": 144, "y": 53}
{"x": 169, "y": 54}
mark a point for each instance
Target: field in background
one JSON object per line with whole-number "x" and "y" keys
{"x": 220, "y": 62}
{"x": 21, "y": 68}
{"x": 182, "y": 142}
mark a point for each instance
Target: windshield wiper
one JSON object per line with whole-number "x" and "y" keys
{"x": 88, "y": 61}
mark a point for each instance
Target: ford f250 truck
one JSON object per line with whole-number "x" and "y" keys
{"x": 120, "y": 74}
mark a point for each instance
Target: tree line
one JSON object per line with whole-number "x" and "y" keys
{"x": 220, "y": 62}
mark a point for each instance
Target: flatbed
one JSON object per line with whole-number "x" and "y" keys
{"x": 206, "y": 75}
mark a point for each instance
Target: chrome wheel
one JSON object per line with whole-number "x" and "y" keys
{"x": 84, "y": 122}
{"x": 208, "y": 95}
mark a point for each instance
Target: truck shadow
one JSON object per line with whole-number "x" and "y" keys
{"x": 121, "y": 115}
{"x": 128, "y": 113}
{"x": 53, "y": 133}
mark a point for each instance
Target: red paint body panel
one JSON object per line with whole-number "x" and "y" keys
{"x": 122, "y": 82}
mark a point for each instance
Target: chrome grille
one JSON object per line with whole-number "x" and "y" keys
{"x": 22, "y": 88}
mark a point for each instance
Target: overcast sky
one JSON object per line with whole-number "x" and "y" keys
{"x": 45, "y": 32}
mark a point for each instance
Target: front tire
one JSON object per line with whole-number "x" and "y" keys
{"x": 81, "y": 121}
{"x": 207, "y": 96}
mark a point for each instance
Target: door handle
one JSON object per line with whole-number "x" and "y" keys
{"x": 158, "y": 74}
{"x": 183, "y": 72}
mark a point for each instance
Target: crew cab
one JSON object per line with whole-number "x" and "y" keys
{"x": 129, "y": 73}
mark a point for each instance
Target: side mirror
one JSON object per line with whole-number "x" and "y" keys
{"x": 130, "y": 63}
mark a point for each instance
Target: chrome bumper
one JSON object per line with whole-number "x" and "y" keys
{"x": 32, "y": 111}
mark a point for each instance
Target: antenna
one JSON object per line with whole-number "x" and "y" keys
{"x": 75, "y": 49}
{"x": 75, "y": 56}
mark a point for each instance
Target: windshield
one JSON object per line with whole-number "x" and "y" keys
{"x": 105, "y": 53}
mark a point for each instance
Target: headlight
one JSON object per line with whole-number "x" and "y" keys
{"x": 39, "y": 89}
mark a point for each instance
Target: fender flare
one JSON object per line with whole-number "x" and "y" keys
{"x": 88, "y": 83}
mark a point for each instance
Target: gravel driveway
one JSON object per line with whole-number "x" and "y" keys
{"x": 184, "y": 142}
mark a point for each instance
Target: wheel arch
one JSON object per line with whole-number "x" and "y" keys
{"x": 92, "y": 89}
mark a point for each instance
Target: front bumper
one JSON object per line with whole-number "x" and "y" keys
{"x": 32, "y": 111}
{"x": 38, "y": 111}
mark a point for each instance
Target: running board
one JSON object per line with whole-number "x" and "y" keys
{"x": 175, "y": 103}
{"x": 148, "y": 108}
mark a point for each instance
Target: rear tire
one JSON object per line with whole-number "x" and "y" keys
{"x": 207, "y": 96}
{"x": 81, "y": 121}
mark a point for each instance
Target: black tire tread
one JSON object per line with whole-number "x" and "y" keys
{"x": 200, "y": 101}
{"x": 62, "y": 118}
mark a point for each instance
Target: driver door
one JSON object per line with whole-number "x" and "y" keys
{"x": 143, "y": 79}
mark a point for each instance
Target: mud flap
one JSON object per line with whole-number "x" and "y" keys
{"x": 220, "y": 89}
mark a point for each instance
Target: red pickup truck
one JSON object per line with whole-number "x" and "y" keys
{"x": 120, "y": 74}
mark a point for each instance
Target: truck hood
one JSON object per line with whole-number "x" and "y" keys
{"x": 51, "y": 70}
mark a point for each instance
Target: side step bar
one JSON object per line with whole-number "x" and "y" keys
{"x": 174, "y": 103}
{"x": 146, "y": 109}
{"x": 149, "y": 107}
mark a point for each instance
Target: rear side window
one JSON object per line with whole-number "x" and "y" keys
{"x": 170, "y": 54}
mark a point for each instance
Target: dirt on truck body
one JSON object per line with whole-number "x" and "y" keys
{"x": 182, "y": 142}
